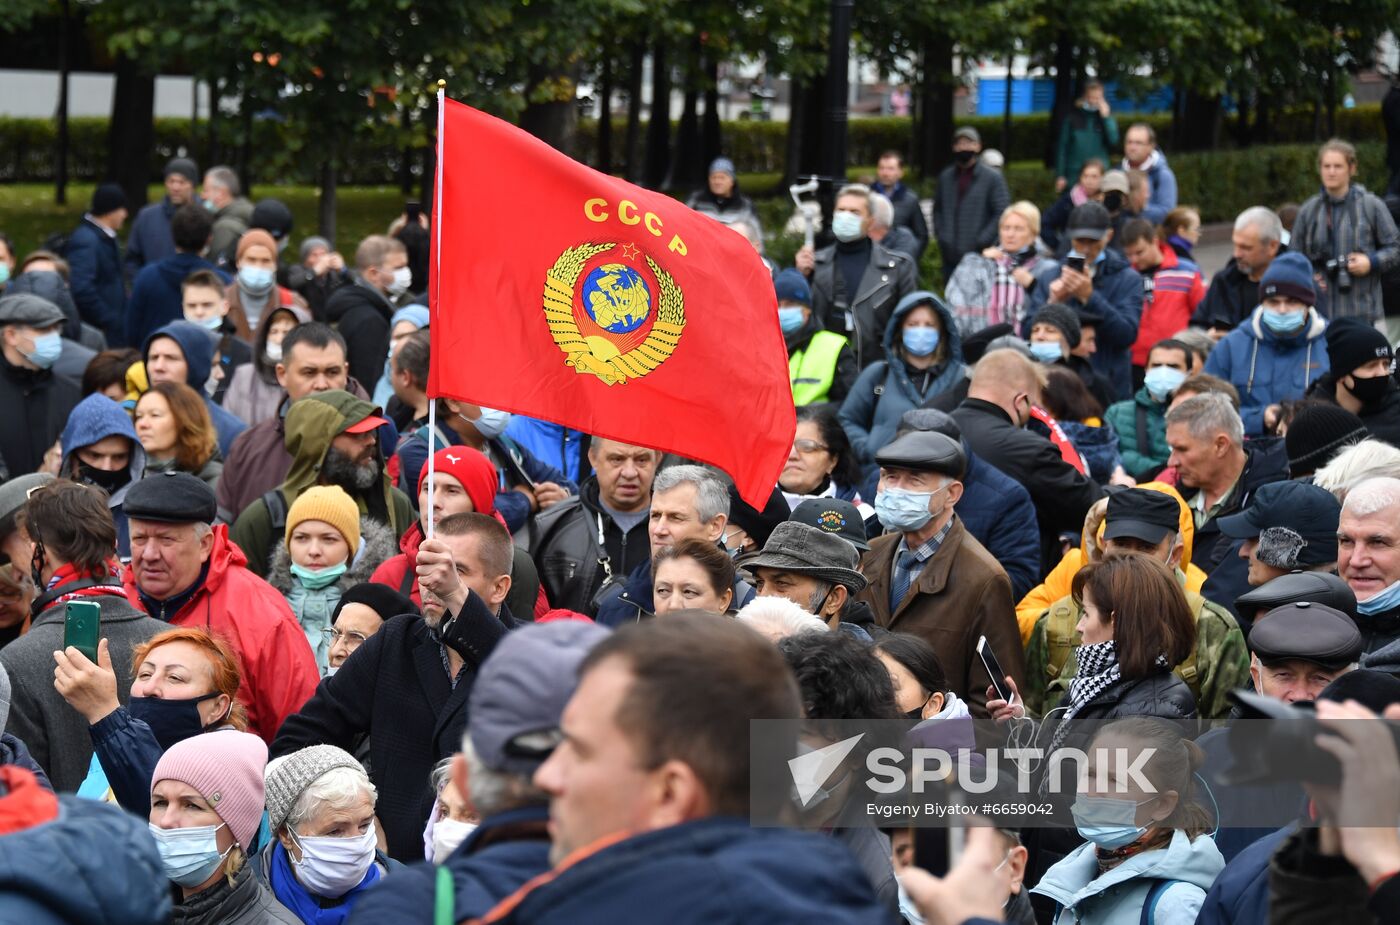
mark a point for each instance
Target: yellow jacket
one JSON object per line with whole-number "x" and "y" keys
{"x": 1058, "y": 583}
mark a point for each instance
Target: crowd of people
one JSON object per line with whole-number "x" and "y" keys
{"x": 338, "y": 688}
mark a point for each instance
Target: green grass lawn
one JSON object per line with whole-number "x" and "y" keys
{"x": 28, "y": 214}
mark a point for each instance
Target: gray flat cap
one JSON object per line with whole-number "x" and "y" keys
{"x": 30, "y": 309}
{"x": 806, "y": 550}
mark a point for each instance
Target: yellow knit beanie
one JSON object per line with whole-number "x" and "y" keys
{"x": 328, "y": 503}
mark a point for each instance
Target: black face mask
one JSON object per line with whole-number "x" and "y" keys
{"x": 171, "y": 721}
{"x": 109, "y": 480}
{"x": 1369, "y": 391}
{"x": 964, "y": 157}
{"x": 1113, "y": 201}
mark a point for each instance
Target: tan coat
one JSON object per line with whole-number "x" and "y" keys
{"x": 961, "y": 595}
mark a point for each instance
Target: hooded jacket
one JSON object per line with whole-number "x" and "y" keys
{"x": 1116, "y": 898}
{"x": 361, "y": 313}
{"x": 1382, "y": 418}
{"x": 1162, "y": 184}
{"x": 1117, "y": 301}
{"x": 253, "y": 394}
{"x": 309, "y": 428}
{"x": 886, "y": 389}
{"x": 89, "y": 863}
{"x": 279, "y": 671}
{"x": 1267, "y": 368}
{"x": 715, "y": 871}
{"x": 313, "y": 608}
{"x": 96, "y": 418}
{"x": 199, "y": 361}
{"x": 156, "y": 298}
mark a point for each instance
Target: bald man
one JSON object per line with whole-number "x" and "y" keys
{"x": 993, "y": 420}
{"x": 1368, "y": 557}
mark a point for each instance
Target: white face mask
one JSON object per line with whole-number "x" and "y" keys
{"x": 403, "y": 278}
{"x": 447, "y": 835}
{"x": 332, "y": 867}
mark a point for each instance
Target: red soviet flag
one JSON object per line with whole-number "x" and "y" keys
{"x": 567, "y": 295}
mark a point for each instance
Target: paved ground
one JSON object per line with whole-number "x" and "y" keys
{"x": 1214, "y": 251}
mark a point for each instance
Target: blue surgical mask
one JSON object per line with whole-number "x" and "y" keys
{"x": 846, "y": 226}
{"x": 255, "y": 279}
{"x": 1283, "y": 322}
{"x": 211, "y": 323}
{"x": 1107, "y": 822}
{"x": 4, "y": 273}
{"x": 790, "y": 318}
{"x": 1161, "y": 381}
{"x": 189, "y": 856}
{"x": 921, "y": 342}
{"x": 47, "y": 348}
{"x": 316, "y": 579}
{"x": 1387, "y": 599}
{"x": 491, "y": 424}
{"x": 1047, "y": 351}
{"x": 904, "y": 511}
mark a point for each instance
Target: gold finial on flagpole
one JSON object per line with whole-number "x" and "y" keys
{"x": 441, "y": 84}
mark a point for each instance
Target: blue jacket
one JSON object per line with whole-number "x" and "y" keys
{"x": 127, "y": 751}
{"x": 997, "y": 510}
{"x": 1098, "y": 446}
{"x": 491, "y": 864}
{"x": 150, "y": 238}
{"x": 1117, "y": 299}
{"x": 199, "y": 357}
{"x": 1240, "y": 895}
{"x": 96, "y": 418}
{"x": 1162, "y": 198}
{"x": 711, "y": 871}
{"x": 1117, "y": 897}
{"x": 93, "y": 864}
{"x": 885, "y": 390}
{"x": 1267, "y": 368}
{"x": 513, "y": 506}
{"x": 635, "y": 599}
{"x": 551, "y": 444}
{"x": 97, "y": 280}
{"x": 156, "y": 298}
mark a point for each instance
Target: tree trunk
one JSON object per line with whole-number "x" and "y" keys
{"x": 553, "y": 119}
{"x": 604, "y": 154}
{"x": 658, "y": 153}
{"x": 1329, "y": 87}
{"x": 631, "y": 154}
{"x": 406, "y": 157}
{"x": 60, "y": 191}
{"x": 711, "y": 137}
{"x": 1064, "y": 95}
{"x": 792, "y": 150}
{"x": 1200, "y": 123}
{"x": 211, "y": 129}
{"x": 326, "y": 207}
{"x": 936, "y": 98}
{"x": 429, "y": 161}
{"x": 1006, "y": 109}
{"x": 247, "y": 105}
{"x": 687, "y": 172}
{"x": 131, "y": 133}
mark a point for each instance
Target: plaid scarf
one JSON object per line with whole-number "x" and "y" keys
{"x": 1007, "y": 302}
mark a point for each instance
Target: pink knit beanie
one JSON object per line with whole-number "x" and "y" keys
{"x": 226, "y": 767}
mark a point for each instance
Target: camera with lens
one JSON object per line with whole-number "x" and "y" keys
{"x": 1337, "y": 269}
{"x": 1273, "y": 741}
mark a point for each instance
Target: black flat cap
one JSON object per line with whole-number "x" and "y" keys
{"x": 1317, "y": 587}
{"x": 832, "y": 515}
{"x": 1307, "y": 632}
{"x": 1143, "y": 514}
{"x": 171, "y": 498}
{"x": 924, "y": 451}
{"x": 382, "y": 599}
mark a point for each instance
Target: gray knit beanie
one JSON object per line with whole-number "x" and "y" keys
{"x": 287, "y": 778}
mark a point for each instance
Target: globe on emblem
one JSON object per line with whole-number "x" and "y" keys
{"x": 617, "y": 298}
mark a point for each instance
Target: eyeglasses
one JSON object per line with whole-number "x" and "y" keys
{"x": 809, "y": 446}
{"x": 351, "y": 640}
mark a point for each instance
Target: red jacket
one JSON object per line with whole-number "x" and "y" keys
{"x": 279, "y": 670}
{"x": 1177, "y": 288}
{"x": 394, "y": 571}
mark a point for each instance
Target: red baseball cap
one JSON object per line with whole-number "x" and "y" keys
{"x": 370, "y": 423}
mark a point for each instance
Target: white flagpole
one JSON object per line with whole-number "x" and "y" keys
{"x": 437, "y": 280}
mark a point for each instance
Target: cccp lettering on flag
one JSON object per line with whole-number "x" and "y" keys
{"x": 571, "y": 296}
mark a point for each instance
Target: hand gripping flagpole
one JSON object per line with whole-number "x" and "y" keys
{"x": 434, "y": 307}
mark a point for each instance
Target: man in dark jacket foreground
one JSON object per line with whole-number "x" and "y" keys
{"x": 406, "y": 687}
{"x": 521, "y": 691}
{"x": 652, "y": 814}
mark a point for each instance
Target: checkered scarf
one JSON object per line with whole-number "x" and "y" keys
{"x": 1098, "y": 669}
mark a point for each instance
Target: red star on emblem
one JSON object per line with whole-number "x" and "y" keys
{"x": 630, "y": 252}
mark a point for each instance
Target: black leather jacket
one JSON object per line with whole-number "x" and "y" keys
{"x": 567, "y": 552}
